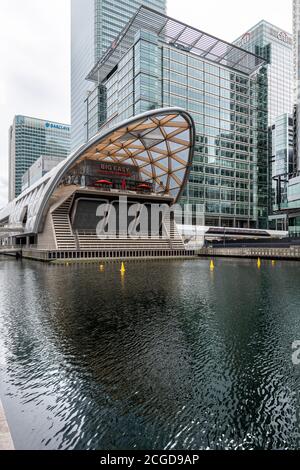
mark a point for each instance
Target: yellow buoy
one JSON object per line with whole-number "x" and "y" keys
{"x": 123, "y": 270}
{"x": 212, "y": 265}
{"x": 259, "y": 263}
{"x": 273, "y": 262}
{"x": 101, "y": 267}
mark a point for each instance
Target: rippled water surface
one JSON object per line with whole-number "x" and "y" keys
{"x": 170, "y": 356}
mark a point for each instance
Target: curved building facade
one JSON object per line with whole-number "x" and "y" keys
{"x": 145, "y": 159}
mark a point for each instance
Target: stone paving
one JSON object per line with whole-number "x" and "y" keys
{"x": 6, "y": 442}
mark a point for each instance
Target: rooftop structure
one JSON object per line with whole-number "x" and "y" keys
{"x": 177, "y": 34}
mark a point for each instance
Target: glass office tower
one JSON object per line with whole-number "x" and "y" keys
{"x": 276, "y": 46}
{"x": 296, "y": 47}
{"x": 296, "y": 51}
{"x": 283, "y": 146}
{"x": 95, "y": 24}
{"x": 29, "y": 139}
{"x": 172, "y": 64}
{"x": 286, "y": 186}
{"x": 82, "y": 59}
{"x": 282, "y": 158}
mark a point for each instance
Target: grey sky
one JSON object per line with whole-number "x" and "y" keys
{"x": 35, "y": 52}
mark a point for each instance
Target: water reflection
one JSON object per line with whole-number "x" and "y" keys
{"x": 169, "y": 355}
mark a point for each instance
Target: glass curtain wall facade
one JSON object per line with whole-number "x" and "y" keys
{"x": 82, "y": 60}
{"x": 112, "y": 16}
{"x": 296, "y": 47}
{"x": 282, "y": 158}
{"x": 276, "y": 47}
{"x": 229, "y": 178}
{"x": 229, "y": 175}
{"x": 296, "y": 51}
{"x": 29, "y": 139}
{"x": 293, "y": 206}
{"x": 287, "y": 198}
{"x": 95, "y": 24}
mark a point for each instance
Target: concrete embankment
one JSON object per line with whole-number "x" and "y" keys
{"x": 290, "y": 253}
{"x": 6, "y": 442}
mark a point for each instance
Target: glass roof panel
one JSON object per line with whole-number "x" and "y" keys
{"x": 185, "y": 135}
{"x": 171, "y": 31}
{"x": 176, "y": 165}
{"x": 148, "y": 168}
{"x": 174, "y": 146}
{"x": 164, "y": 179}
{"x": 164, "y": 162}
{"x": 184, "y": 154}
{"x": 160, "y": 171}
{"x": 180, "y": 173}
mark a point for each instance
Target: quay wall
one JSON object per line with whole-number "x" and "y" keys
{"x": 287, "y": 253}
{"x": 96, "y": 256}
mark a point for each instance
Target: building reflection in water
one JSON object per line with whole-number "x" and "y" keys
{"x": 94, "y": 360}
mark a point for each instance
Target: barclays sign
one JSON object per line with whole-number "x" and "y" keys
{"x": 60, "y": 127}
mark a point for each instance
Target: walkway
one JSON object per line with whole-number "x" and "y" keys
{"x": 288, "y": 253}
{"x": 6, "y": 442}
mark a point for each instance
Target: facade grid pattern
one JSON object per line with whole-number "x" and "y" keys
{"x": 229, "y": 178}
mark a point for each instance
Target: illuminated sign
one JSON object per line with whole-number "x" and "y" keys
{"x": 96, "y": 168}
{"x": 60, "y": 127}
{"x": 114, "y": 167}
{"x": 117, "y": 170}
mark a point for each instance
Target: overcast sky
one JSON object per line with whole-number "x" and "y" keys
{"x": 35, "y": 52}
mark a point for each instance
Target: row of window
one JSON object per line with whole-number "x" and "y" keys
{"x": 203, "y": 66}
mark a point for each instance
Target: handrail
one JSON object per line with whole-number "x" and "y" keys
{"x": 112, "y": 236}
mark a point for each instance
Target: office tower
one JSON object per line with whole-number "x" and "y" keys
{"x": 95, "y": 24}
{"x": 40, "y": 168}
{"x": 296, "y": 52}
{"x": 276, "y": 47}
{"x": 82, "y": 59}
{"x": 286, "y": 208}
{"x": 159, "y": 62}
{"x": 29, "y": 139}
{"x": 282, "y": 150}
{"x": 282, "y": 162}
{"x": 296, "y": 46}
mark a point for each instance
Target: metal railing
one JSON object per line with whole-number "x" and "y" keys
{"x": 268, "y": 253}
{"x": 120, "y": 236}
